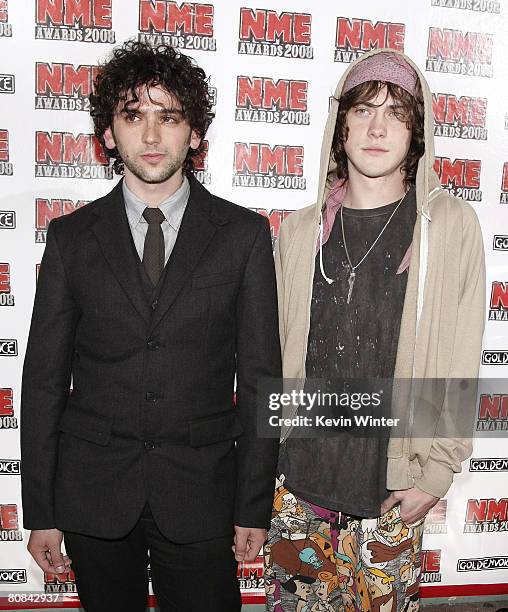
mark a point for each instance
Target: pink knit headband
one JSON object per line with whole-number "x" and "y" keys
{"x": 388, "y": 67}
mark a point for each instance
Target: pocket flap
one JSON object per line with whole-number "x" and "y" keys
{"x": 90, "y": 427}
{"x": 218, "y": 278}
{"x": 216, "y": 428}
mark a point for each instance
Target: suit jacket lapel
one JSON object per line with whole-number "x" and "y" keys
{"x": 114, "y": 235}
{"x": 199, "y": 224}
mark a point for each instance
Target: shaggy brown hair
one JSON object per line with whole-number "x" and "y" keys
{"x": 411, "y": 111}
{"x": 137, "y": 64}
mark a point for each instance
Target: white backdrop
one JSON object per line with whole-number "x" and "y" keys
{"x": 273, "y": 67}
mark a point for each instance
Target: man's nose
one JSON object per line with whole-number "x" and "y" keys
{"x": 151, "y": 132}
{"x": 377, "y": 126}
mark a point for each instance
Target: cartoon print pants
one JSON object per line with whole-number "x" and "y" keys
{"x": 319, "y": 560}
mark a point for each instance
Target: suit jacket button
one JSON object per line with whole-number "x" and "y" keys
{"x": 149, "y": 445}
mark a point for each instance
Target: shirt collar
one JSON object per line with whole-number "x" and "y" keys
{"x": 172, "y": 208}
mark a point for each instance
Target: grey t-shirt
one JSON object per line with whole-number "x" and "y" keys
{"x": 355, "y": 340}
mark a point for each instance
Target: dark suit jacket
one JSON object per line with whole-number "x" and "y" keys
{"x": 151, "y": 416}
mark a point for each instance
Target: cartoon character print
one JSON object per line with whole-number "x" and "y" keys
{"x": 273, "y": 589}
{"x": 319, "y": 560}
{"x": 385, "y": 539}
{"x": 413, "y": 605}
{"x": 326, "y": 589}
{"x": 289, "y": 516}
{"x": 410, "y": 572}
{"x": 300, "y": 557}
{"x": 348, "y": 566}
{"x": 322, "y": 537}
{"x": 382, "y": 594}
{"x": 392, "y": 528}
{"x": 300, "y": 586}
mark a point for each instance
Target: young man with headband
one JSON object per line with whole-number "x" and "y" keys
{"x": 383, "y": 278}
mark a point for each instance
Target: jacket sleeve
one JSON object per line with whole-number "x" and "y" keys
{"x": 279, "y": 275}
{"x": 258, "y": 358}
{"x": 447, "y": 453}
{"x": 45, "y": 385}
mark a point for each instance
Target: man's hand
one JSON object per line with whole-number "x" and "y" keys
{"x": 45, "y": 546}
{"x": 248, "y": 542}
{"x": 414, "y": 504}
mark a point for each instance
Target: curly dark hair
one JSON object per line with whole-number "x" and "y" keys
{"x": 137, "y": 64}
{"x": 411, "y": 111}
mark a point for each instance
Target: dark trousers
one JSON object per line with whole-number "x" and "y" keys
{"x": 112, "y": 575}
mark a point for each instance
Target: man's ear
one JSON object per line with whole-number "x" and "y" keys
{"x": 195, "y": 140}
{"x": 109, "y": 139}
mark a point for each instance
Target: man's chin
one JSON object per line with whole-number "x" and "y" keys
{"x": 380, "y": 172}
{"x": 154, "y": 178}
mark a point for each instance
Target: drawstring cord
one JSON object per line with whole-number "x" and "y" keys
{"x": 321, "y": 267}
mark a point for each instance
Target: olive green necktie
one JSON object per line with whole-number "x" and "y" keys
{"x": 153, "y": 252}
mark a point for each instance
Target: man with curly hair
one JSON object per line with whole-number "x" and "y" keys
{"x": 382, "y": 278}
{"x": 151, "y": 299}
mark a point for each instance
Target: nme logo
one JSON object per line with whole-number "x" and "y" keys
{"x": 201, "y": 171}
{"x": 6, "y": 168}
{"x": 6, "y": 405}
{"x": 260, "y": 165}
{"x": 482, "y": 6}
{"x": 356, "y": 36}
{"x": 46, "y": 210}
{"x": 6, "y": 297}
{"x": 74, "y": 20}
{"x": 461, "y": 177}
{"x": 499, "y": 301}
{"x": 5, "y": 26}
{"x": 250, "y": 575}
{"x": 269, "y": 101}
{"x": 266, "y": 32}
{"x": 503, "y": 196}
{"x": 430, "y": 566}
{"x": 63, "y": 86}
{"x": 435, "y": 521}
{"x": 462, "y": 117}
{"x": 7, "y": 418}
{"x": 456, "y": 52}
{"x": 486, "y": 515}
{"x": 275, "y": 217}
{"x": 64, "y": 155}
{"x": 493, "y": 410}
{"x": 8, "y": 347}
{"x": 9, "y": 525}
{"x": 60, "y": 583}
{"x": 185, "y": 25}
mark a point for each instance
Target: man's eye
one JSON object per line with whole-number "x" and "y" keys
{"x": 362, "y": 111}
{"x": 131, "y": 117}
{"x": 398, "y": 114}
{"x": 168, "y": 119}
